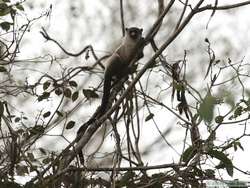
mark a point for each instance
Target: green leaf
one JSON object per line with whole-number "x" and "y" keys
{"x": 46, "y": 85}
{"x": 58, "y": 91}
{"x": 206, "y": 109}
{"x": 19, "y": 7}
{"x": 67, "y": 93}
{"x": 126, "y": 177}
{"x": 43, "y": 151}
{"x": 188, "y": 154}
{"x": 236, "y": 145}
{"x": 5, "y": 25}
{"x": 224, "y": 160}
{"x": 3, "y": 69}
{"x": 38, "y": 129}
{"x": 240, "y": 146}
{"x": 21, "y": 170}
{"x": 47, "y": 114}
{"x": 59, "y": 113}
{"x": 46, "y": 160}
{"x": 238, "y": 111}
{"x": 31, "y": 157}
{"x": 70, "y": 124}
{"x": 150, "y": 116}
{"x": 219, "y": 119}
{"x": 33, "y": 168}
{"x": 75, "y": 96}
{"x": 73, "y": 83}
{"x": 209, "y": 173}
{"x": 89, "y": 93}
{"x": 178, "y": 86}
{"x": 45, "y": 95}
{"x": 195, "y": 117}
{"x": 4, "y": 9}
{"x": 17, "y": 119}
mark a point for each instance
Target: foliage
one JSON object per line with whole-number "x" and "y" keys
{"x": 59, "y": 99}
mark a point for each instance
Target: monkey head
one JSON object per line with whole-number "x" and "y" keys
{"x": 134, "y": 33}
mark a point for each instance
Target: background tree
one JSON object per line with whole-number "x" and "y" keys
{"x": 179, "y": 120}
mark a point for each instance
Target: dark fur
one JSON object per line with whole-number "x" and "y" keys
{"x": 117, "y": 68}
{"x": 119, "y": 61}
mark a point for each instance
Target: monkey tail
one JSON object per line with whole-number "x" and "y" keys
{"x": 101, "y": 110}
{"x": 106, "y": 94}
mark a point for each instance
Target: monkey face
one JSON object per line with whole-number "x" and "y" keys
{"x": 134, "y": 32}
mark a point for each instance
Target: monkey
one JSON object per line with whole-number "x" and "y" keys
{"x": 117, "y": 67}
{"x": 118, "y": 62}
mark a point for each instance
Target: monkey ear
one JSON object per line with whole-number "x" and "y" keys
{"x": 141, "y": 30}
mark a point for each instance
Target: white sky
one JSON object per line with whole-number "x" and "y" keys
{"x": 222, "y": 25}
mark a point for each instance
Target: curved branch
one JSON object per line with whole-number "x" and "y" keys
{"x": 223, "y": 7}
{"x": 47, "y": 37}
